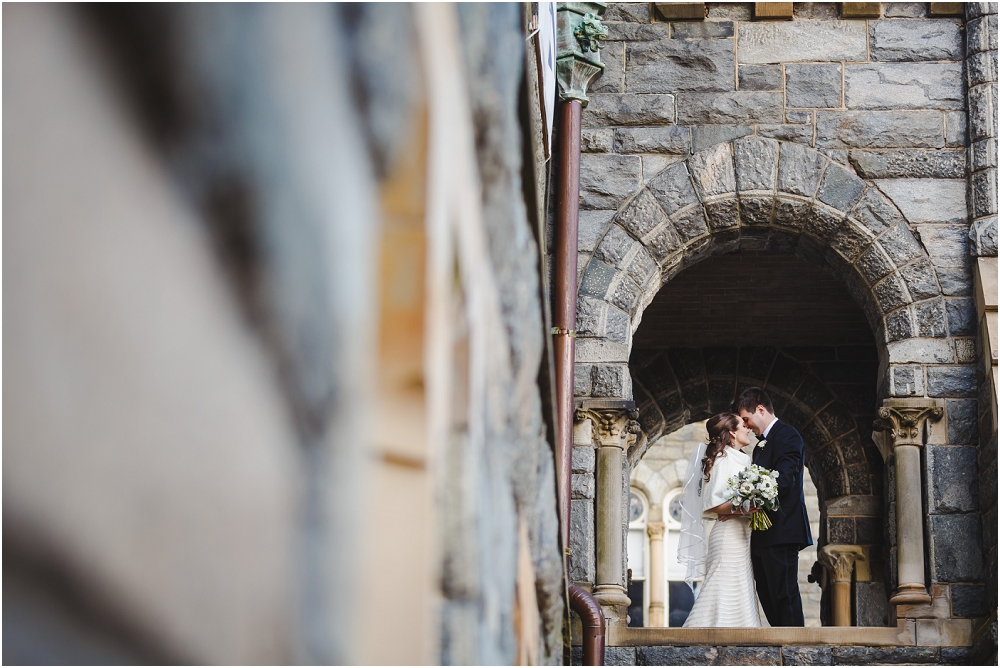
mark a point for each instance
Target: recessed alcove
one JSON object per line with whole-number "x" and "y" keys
{"x": 776, "y": 321}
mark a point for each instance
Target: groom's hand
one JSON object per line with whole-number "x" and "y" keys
{"x": 723, "y": 518}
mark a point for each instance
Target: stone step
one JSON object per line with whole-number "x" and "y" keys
{"x": 808, "y": 655}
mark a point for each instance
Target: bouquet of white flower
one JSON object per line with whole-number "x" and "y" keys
{"x": 755, "y": 486}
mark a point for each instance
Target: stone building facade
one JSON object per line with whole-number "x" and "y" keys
{"x": 851, "y": 158}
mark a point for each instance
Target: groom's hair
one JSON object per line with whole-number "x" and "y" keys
{"x": 751, "y": 398}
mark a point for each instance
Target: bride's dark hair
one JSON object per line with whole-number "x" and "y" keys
{"x": 719, "y": 438}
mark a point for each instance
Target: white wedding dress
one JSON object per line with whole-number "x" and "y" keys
{"x": 728, "y": 595}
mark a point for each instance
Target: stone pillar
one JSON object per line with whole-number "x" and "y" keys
{"x": 840, "y": 561}
{"x": 615, "y": 429}
{"x": 903, "y": 428}
{"x": 655, "y": 529}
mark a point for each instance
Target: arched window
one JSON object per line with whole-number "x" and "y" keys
{"x": 679, "y": 598}
{"x": 638, "y": 557}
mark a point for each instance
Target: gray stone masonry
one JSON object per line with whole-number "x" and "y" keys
{"x": 867, "y": 147}
{"x": 981, "y": 84}
{"x": 780, "y": 656}
{"x": 582, "y": 567}
{"x": 938, "y": 39}
{"x": 817, "y": 86}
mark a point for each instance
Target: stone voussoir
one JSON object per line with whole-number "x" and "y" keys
{"x": 800, "y": 169}
{"x": 713, "y": 172}
{"x": 756, "y": 163}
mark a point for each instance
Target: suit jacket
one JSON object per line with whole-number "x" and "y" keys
{"x": 784, "y": 452}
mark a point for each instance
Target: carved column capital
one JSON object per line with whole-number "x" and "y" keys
{"x": 578, "y": 44}
{"x": 907, "y": 421}
{"x": 656, "y": 530}
{"x": 615, "y": 424}
{"x": 840, "y": 560}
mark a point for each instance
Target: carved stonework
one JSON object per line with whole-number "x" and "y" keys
{"x": 656, "y": 530}
{"x": 840, "y": 560}
{"x": 578, "y": 57}
{"x": 590, "y": 33}
{"x": 616, "y": 427}
{"x": 904, "y": 426}
{"x": 906, "y": 420}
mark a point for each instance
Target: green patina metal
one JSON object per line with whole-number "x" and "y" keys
{"x": 591, "y": 32}
{"x": 578, "y": 43}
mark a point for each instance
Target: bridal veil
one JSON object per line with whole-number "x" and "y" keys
{"x": 692, "y": 547}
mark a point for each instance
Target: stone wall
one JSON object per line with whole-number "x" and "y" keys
{"x": 869, "y": 116}
{"x": 981, "y": 73}
{"x": 849, "y": 655}
{"x": 275, "y": 333}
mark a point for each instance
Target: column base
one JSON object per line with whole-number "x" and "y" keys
{"x": 908, "y": 594}
{"x": 611, "y": 595}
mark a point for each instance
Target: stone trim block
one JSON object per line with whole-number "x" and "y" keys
{"x": 735, "y": 108}
{"x": 678, "y": 65}
{"x": 815, "y": 86}
{"x": 760, "y": 77}
{"x": 670, "y": 140}
{"x": 802, "y": 41}
{"x": 928, "y": 200}
{"x": 879, "y": 129}
{"x": 903, "y": 86}
{"x": 606, "y": 181}
{"x": 915, "y": 40}
{"x": 981, "y": 34}
{"x": 629, "y": 109}
{"x": 910, "y": 163}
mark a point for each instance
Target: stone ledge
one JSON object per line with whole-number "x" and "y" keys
{"x": 873, "y": 636}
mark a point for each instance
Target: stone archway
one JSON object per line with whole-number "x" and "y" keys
{"x": 675, "y": 387}
{"x": 756, "y": 193}
{"x": 765, "y": 195}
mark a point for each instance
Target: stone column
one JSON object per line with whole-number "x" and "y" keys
{"x": 903, "y": 427}
{"x": 615, "y": 428}
{"x": 655, "y": 529}
{"x": 840, "y": 561}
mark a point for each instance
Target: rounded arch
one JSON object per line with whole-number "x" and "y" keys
{"x": 678, "y": 386}
{"x": 762, "y": 194}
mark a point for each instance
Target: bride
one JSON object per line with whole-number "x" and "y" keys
{"x": 728, "y": 596}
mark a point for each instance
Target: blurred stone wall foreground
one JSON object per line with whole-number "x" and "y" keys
{"x": 275, "y": 338}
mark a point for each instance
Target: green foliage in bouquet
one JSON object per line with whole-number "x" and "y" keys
{"x": 755, "y": 487}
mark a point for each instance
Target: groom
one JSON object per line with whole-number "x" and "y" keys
{"x": 775, "y": 551}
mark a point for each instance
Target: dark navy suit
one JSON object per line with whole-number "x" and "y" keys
{"x": 775, "y": 552}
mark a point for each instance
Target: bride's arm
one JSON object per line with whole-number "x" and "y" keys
{"x": 725, "y": 511}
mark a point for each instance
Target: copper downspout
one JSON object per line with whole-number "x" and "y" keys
{"x": 564, "y": 321}
{"x": 590, "y": 612}
{"x": 564, "y": 308}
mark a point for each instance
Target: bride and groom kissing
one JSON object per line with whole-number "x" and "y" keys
{"x": 738, "y": 565}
